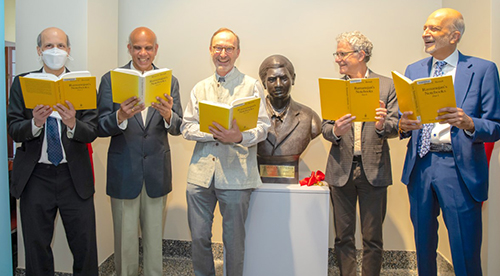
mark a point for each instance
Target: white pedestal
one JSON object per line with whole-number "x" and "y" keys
{"x": 287, "y": 231}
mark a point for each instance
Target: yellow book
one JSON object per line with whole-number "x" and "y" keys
{"x": 358, "y": 97}
{"x": 77, "y": 87}
{"x": 424, "y": 96}
{"x": 244, "y": 110}
{"x": 126, "y": 83}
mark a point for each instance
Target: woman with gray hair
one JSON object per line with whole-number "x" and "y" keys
{"x": 359, "y": 165}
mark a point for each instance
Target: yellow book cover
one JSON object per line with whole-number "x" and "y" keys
{"x": 77, "y": 87}
{"x": 334, "y": 98}
{"x": 424, "y": 96}
{"x": 358, "y": 97}
{"x": 126, "y": 83}
{"x": 364, "y": 95}
{"x": 244, "y": 110}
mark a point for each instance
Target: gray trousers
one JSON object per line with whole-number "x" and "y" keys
{"x": 233, "y": 205}
{"x": 372, "y": 209}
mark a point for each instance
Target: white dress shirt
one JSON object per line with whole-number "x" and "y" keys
{"x": 441, "y": 132}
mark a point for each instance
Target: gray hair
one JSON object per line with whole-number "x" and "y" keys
{"x": 358, "y": 42}
{"x": 39, "y": 40}
{"x": 458, "y": 24}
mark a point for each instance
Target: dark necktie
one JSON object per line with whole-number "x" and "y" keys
{"x": 222, "y": 79}
{"x": 277, "y": 120}
{"x": 54, "y": 150}
{"x": 425, "y": 137}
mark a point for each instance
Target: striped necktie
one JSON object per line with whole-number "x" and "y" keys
{"x": 54, "y": 150}
{"x": 425, "y": 134}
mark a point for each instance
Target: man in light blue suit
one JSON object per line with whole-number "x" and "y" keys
{"x": 451, "y": 172}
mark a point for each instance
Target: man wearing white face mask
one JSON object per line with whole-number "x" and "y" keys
{"x": 52, "y": 170}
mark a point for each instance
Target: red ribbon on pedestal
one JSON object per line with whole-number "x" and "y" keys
{"x": 314, "y": 179}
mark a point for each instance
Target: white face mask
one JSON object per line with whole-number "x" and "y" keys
{"x": 54, "y": 58}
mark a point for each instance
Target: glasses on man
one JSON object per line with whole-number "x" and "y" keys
{"x": 218, "y": 49}
{"x": 343, "y": 55}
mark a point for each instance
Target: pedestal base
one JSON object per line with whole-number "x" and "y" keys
{"x": 287, "y": 231}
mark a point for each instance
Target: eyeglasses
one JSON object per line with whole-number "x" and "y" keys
{"x": 343, "y": 55}
{"x": 218, "y": 49}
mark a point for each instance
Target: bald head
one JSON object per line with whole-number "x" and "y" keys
{"x": 48, "y": 31}
{"x": 452, "y": 17}
{"x": 142, "y": 47}
{"x": 442, "y": 32}
{"x": 141, "y": 31}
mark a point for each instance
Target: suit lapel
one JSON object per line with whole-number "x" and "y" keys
{"x": 151, "y": 113}
{"x": 425, "y": 70}
{"x": 138, "y": 119}
{"x": 463, "y": 77}
{"x": 289, "y": 124}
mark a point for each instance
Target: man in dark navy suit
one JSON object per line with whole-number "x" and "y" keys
{"x": 446, "y": 166}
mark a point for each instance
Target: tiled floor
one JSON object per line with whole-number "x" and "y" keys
{"x": 181, "y": 266}
{"x": 177, "y": 262}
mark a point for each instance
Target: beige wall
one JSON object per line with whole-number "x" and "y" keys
{"x": 99, "y": 60}
{"x": 10, "y": 20}
{"x": 304, "y": 31}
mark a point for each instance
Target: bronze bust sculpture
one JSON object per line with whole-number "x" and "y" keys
{"x": 294, "y": 125}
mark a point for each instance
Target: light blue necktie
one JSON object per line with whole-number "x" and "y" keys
{"x": 54, "y": 150}
{"x": 425, "y": 136}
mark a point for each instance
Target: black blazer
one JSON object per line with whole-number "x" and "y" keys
{"x": 27, "y": 155}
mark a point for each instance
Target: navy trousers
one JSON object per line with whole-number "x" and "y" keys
{"x": 436, "y": 184}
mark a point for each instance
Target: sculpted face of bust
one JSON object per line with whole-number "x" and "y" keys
{"x": 278, "y": 83}
{"x": 278, "y": 76}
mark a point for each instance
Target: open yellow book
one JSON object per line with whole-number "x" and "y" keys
{"x": 424, "y": 96}
{"x": 244, "y": 110}
{"x": 77, "y": 87}
{"x": 126, "y": 83}
{"x": 358, "y": 97}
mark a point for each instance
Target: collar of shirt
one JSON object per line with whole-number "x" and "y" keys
{"x": 367, "y": 73}
{"x": 450, "y": 67}
{"x": 276, "y": 114}
{"x": 64, "y": 72}
{"x": 226, "y": 77}
{"x": 133, "y": 68}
